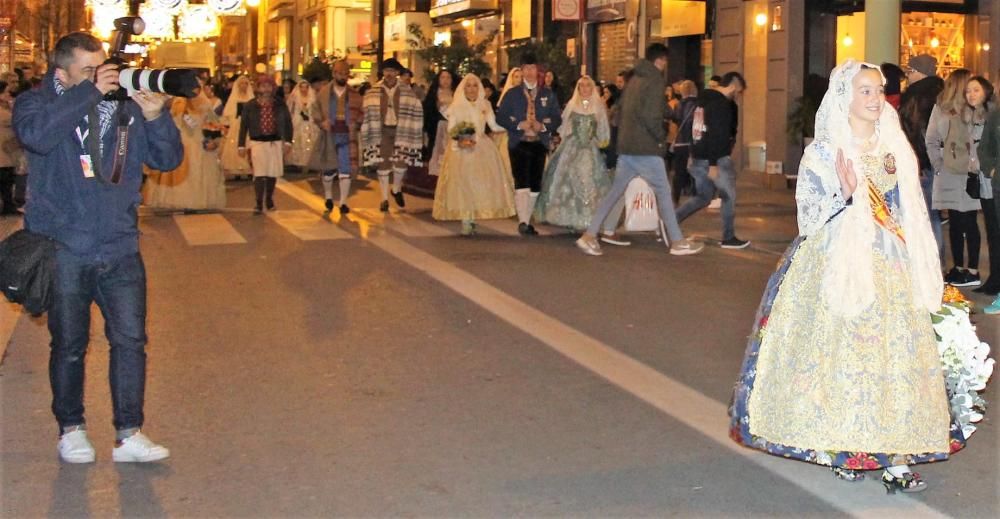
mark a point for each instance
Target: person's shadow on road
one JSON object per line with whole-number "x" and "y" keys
{"x": 136, "y": 495}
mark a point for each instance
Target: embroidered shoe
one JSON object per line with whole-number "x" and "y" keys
{"x": 74, "y": 447}
{"x": 138, "y": 448}
{"x": 910, "y": 483}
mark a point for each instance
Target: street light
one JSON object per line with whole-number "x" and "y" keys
{"x": 253, "y": 3}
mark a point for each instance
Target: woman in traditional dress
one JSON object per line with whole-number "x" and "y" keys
{"x": 514, "y": 79}
{"x": 232, "y": 163}
{"x": 475, "y": 181}
{"x": 305, "y": 133}
{"x": 197, "y": 184}
{"x": 436, "y": 103}
{"x": 842, "y": 368}
{"x": 576, "y": 178}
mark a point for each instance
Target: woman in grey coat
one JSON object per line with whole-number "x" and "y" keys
{"x": 951, "y": 173}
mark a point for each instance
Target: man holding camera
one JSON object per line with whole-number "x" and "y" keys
{"x": 85, "y": 157}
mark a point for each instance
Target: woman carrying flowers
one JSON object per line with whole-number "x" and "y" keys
{"x": 842, "y": 368}
{"x": 575, "y": 178}
{"x": 475, "y": 181}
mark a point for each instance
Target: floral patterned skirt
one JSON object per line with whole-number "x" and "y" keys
{"x": 861, "y": 392}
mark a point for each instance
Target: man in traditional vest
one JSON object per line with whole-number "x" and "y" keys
{"x": 531, "y": 115}
{"x": 338, "y": 113}
{"x": 391, "y": 131}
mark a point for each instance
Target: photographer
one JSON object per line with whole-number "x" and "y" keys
{"x": 71, "y": 136}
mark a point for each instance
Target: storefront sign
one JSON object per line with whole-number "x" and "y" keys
{"x": 605, "y": 10}
{"x": 456, "y": 8}
{"x": 682, "y": 18}
{"x": 567, "y": 10}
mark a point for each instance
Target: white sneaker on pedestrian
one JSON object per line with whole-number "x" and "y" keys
{"x": 686, "y": 248}
{"x": 74, "y": 447}
{"x": 715, "y": 204}
{"x": 589, "y": 245}
{"x": 138, "y": 448}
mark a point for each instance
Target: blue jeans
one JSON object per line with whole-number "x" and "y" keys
{"x": 927, "y": 185}
{"x": 343, "y": 141}
{"x": 705, "y": 190}
{"x": 118, "y": 286}
{"x": 652, "y": 169}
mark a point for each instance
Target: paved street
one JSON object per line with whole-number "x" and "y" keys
{"x": 384, "y": 366}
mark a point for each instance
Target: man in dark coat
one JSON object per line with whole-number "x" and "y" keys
{"x": 915, "y": 107}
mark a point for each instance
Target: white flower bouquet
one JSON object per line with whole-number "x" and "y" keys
{"x": 964, "y": 360}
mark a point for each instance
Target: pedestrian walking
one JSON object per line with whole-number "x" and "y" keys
{"x": 10, "y": 153}
{"x": 232, "y": 116}
{"x": 530, "y": 113}
{"x": 575, "y": 178}
{"x": 915, "y": 106}
{"x": 391, "y": 132}
{"x": 641, "y": 146}
{"x": 304, "y": 131}
{"x": 948, "y": 144}
{"x": 712, "y": 138}
{"x": 842, "y": 366}
{"x": 475, "y": 182}
{"x": 988, "y": 153}
{"x": 683, "y": 116}
{"x": 265, "y": 140}
{"x": 86, "y": 204}
{"x": 337, "y": 113}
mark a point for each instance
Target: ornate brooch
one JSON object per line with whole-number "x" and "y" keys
{"x": 889, "y": 163}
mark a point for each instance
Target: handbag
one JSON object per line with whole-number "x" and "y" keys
{"x": 973, "y": 185}
{"x": 640, "y": 207}
{"x": 27, "y": 270}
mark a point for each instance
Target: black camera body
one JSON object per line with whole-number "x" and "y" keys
{"x": 178, "y": 82}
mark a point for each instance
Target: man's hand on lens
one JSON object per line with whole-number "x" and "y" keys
{"x": 106, "y": 78}
{"x": 151, "y": 103}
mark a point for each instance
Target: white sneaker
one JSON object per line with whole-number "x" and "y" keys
{"x": 138, "y": 448}
{"x": 589, "y": 245}
{"x": 686, "y": 248}
{"x": 715, "y": 204}
{"x": 74, "y": 447}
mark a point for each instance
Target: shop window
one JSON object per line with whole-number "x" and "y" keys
{"x": 941, "y": 35}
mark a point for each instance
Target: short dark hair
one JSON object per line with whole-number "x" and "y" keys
{"x": 3, "y": 86}
{"x": 656, "y": 51}
{"x": 728, "y": 78}
{"x": 63, "y": 55}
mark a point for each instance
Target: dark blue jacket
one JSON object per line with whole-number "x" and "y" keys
{"x": 514, "y": 109}
{"x": 93, "y": 219}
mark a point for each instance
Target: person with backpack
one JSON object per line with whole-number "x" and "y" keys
{"x": 948, "y": 146}
{"x": 682, "y": 183}
{"x": 642, "y": 138}
{"x": 712, "y": 138}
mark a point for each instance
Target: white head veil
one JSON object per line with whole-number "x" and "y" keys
{"x": 235, "y": 97}
{"x": 509, "y": 82}
{"x": 478, "y": 112}
{"x": 848, "y": 284}
{"x": 296, "y": 101}
{"x": 590, "y": 105}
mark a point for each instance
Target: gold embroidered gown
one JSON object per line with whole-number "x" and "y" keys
{"x": 860, "y": 392}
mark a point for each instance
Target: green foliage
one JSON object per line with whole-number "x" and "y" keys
{"x": 317, "y": 70}
{"x": 459, "y": 56}
{"x": 802, "y": 119}
{"x": 551, "y": 55}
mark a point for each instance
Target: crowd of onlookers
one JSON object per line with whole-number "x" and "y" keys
{"x": 13, "y": 169}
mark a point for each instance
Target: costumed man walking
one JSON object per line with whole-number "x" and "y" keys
{"x": 268, "y": 125}
{"x": 391, "y": 131}
{"x": 337, "y": 112}
{"x": 530, "y": 113}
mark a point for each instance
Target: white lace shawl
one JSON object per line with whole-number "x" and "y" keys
{"x": 594, "y": 105}
{"x": 478, "y": 112}
{"x": 848, "y": 284}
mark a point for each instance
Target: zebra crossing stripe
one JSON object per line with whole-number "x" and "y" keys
{"x": 308, "y": 226}
{"x": 207, "y": 229}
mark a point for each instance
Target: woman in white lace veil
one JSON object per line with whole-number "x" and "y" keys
{"x": 475, "y": 181}
{"x": 842, "y": 366}
{"x": 304, "y": 132}
{"x": 513, "y": 80}
{"x": 232, "y": 163}
{"x": 587, "y": 105}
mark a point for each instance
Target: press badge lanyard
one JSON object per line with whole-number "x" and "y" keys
{"x": 90, "y": 140}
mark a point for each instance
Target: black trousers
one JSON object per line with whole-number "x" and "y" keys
{"x": 527, "y": 163}
{"x": 964, "y": 230}
{"x": 992, "y": 218}
{"x": 681, "y": 181}
{"x": 7, "y": 190}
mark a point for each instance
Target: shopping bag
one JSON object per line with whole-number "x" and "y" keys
{"x": 641, "y": 213}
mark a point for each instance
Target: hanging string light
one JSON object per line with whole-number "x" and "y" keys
{"x": 159, "y": 22}
{"x": 198, "y": 22}
{"x": 168, "y": 6}
{"x": 227, "y": 7}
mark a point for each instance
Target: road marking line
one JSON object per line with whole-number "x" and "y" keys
{"x": 673, "y": 398}
{"x": 305, "y": 225}
{"x": 9, "y": 315}
{"x": 207, "y": 229}
{"x": 508, "y": 227}
{"x": 405, "y": 224}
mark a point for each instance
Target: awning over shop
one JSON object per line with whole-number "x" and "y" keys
{"x": 454, "y": 9}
